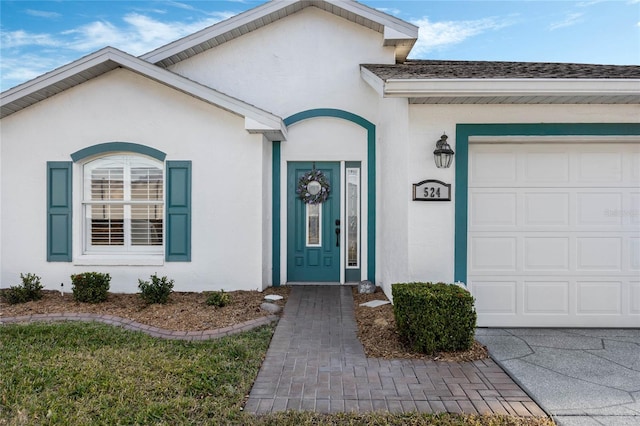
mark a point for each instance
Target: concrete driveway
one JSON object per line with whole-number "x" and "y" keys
{"x": 580, "y": 376}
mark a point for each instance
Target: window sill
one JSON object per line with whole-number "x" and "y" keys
{"x": 119, "y": 260}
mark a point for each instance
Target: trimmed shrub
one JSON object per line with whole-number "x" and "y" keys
{"x": 434, "y": 317}
{"x": 30, "y": 289}
{"x": 90, "y": 287}
{"x": 156, "y": 291}
{"x": 218, "y": 299}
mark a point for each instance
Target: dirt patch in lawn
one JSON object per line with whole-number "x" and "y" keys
{"x": 377, "y": 332}
{"x": 189, "y": 312}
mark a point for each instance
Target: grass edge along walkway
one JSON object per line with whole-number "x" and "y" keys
{"x": 91, "y": 373}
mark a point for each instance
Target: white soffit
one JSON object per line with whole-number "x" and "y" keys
{"x": 396, "y": 32}
{"x": 108, "y": 59}
{"x": 500, "y": 90}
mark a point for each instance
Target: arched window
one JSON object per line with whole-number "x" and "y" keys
{"x": 133, "y": 201}
{"x": 123, "y": 204}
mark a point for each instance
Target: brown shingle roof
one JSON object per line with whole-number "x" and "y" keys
{"x": 432, "y": 69}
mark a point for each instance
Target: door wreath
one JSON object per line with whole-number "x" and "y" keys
{"x": 313, "y": 187}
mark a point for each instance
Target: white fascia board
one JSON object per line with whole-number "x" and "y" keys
{"x": 213, "y": 31}
{"x": 55, "y": 76}
{"x": 402, "y": 43}
{"x": 273, "y": 130}
{"x": 393, "y": 37}
{"x": 373, "y": 80}
{"x": 394, "y": 28}
{"x": 452, "y": 87}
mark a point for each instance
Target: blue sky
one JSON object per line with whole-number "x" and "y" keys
{"x": 38, "y": 36}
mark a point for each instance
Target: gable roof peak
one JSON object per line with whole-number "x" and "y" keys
{"x": 396, "y": 32}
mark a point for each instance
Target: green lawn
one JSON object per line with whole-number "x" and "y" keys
{"x": 89, "y": 373}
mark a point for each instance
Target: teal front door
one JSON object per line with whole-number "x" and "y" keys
{"x": 313, "y": 230}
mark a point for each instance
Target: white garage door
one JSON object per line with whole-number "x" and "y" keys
{"x": 554, "y": 234}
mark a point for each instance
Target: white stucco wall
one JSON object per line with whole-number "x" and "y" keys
{"x": 227, "y": 193}
{"x": 267, "y": 217}
{"x": 307, "y": 60}
{"x": 431, "y": 225}
{"x": 393, "y": 199}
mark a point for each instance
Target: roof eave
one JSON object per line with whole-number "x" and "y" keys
{"x": 272, "y": 129}
{"x": 45, "y": 82}
{"x": 402, "y": 42}
{"x": 512, "y": 88}
{"x": 373, "y": 80}
{"x": 108, "y": 59}
{"x": 397, "y": 33}
{"x": 175, "y": 48}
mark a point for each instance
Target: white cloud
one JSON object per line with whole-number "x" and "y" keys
{"x": 20, "y": 38}
{"x": 26, "y": 55}
{"x": 439, "y": 35}
{"x": 156, "y": 11}
{"x": 15, "y": 70}
{"x": 139, "y": 35}
{"x": 180, "y": 5}
{"x": 569, "y": 20}
{"x": 94, "y": 35}
{"x": 43, "y": 14}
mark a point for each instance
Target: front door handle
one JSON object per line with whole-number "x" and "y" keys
{"x": 338, "y": 233}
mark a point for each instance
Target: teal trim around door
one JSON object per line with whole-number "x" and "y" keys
{"x": 115, "y": 147}
{"x": 371, "y": 172}
{"x": 275, "y": 208}
{"x": 313, "y": 248}
{"x": 465, "y": 131}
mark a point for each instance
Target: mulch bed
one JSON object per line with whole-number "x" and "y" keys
{"x": 183, "y": 312}
{"x": 377, "y": 332}
{"x": 189, "y": 312}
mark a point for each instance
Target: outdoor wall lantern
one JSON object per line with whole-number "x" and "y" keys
{"x": 443, "y": 153}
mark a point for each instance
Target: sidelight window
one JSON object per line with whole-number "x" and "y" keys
{"x": 353, "y": 217}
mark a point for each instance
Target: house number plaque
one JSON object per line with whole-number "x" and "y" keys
{"x": 431, "y": 190}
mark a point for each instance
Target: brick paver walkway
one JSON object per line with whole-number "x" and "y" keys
{"x": 136, "y": 326}
{"x": 316, "y": 362}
